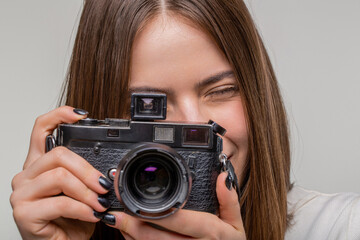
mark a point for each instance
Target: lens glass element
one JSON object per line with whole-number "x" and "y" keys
{"x": 152, "y": 180}
{"x": 148, "y": 105}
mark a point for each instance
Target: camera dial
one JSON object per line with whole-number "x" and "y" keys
{"x": 88, "y": 121}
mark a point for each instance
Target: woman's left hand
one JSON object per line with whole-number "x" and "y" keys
{"x": 187, "y": 224}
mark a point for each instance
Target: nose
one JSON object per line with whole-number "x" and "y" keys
{"x": 187, "y": 109}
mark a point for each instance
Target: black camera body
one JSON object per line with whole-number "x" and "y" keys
{"x": 156, "y": 167}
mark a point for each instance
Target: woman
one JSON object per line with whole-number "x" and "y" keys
{"x": 210, "y": 61}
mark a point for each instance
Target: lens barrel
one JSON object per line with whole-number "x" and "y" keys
{"x": 152, "y": 181}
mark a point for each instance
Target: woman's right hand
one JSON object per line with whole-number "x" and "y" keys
{"x": 55, "y": 194}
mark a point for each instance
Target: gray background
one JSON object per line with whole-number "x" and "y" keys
{"x": 314, "y": 46}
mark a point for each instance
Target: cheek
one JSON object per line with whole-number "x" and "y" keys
{"x": 231, "y": 116}
{"x": 238, "y": 139}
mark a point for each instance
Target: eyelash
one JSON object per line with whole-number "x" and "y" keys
{"x": 230, "y": 89}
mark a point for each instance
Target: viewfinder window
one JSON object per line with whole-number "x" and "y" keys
{"x": 196, "y": 136}
{"x": 148, "y": 106}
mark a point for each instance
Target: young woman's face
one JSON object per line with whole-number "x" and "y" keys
{"x": 174, "y": 57}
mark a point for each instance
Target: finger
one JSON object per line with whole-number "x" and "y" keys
{"x": 184, "y": 220}
{"x": 138, "y": 229}
{"x": 199, "y": 225}
{"x": 229, "y": 206}
{"x": 126, "y": 236}
{"x": 47, "y": 209}
{"x": 63, "y": 157}
{"x": 45, "y": 125}
{"x": 62, "y": 206}
{"x": 54, "y": 182}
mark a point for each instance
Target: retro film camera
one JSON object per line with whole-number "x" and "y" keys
{"x": 157, "y": 167}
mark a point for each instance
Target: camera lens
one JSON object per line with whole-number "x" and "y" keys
{"x": 153, "y": 181}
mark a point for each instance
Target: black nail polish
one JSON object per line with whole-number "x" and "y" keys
{"x": 104, "y": 202}
{"x": 98, "y": 215}
{"x": 228, "y": 182}
{"x": 80, "y": 111}
{"x": 105, "y": 183}
{"x": 109, "y": 219}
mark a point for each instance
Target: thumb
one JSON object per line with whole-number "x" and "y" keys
{"x": 229, "y": 206}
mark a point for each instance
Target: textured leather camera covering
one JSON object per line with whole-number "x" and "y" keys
{"x": 204, "y": 165}
{"x": 203, "y": 191}
{"x": 105, "y": 160}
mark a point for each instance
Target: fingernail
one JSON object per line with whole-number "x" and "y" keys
{"x": 104, "y": 202}
{"x": 228, "y": 182}
{"x": 98, "y": 215}
{"x": 80, "y": 111}
{"x": 109, "y": 219}
{"x": 106, "y": 184}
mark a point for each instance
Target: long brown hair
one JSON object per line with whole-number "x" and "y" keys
{"x": 98, "y": 81}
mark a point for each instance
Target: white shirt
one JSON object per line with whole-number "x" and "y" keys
{"x": 323, "y": 216}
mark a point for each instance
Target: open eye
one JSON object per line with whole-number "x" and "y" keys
{"x": 222, "y": 92}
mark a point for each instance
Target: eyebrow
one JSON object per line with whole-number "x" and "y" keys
{"x": 215, "y": 78}
{"x": 205, "y": 82}
{"x": 168, "y": 91}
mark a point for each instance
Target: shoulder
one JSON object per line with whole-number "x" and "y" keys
{"x": 323, "y": 216}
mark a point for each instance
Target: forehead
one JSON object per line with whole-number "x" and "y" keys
{"x": 163, "y": 31}
{"x": 171, "y": 47}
